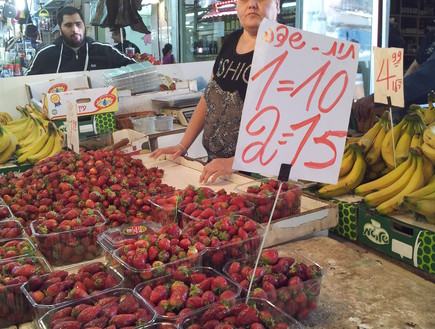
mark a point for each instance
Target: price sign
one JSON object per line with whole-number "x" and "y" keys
{"x": 298, "y": 103}
{"x": 388, "y": 75}
{"x": 72, "y": 127}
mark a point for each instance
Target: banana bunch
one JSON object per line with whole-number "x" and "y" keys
{"x": 45, "y": 145}
{"x": 5, "y": 118}
{"x": 428, "y": 145}
{"x": 352, "y": 171}
{"x": 386, "y": 192}
{"x": 422, "y": 201}
{"x": 407, "y": 133}
{"x": 428, "y": 115}
{"x": 374, "y": 146}
{"x": 8, "y": 144}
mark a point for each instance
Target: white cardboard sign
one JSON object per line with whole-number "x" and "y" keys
{"x": 388, "y": 75}
{"x": 72, "y": 127}
{"x": 298, "y": 103}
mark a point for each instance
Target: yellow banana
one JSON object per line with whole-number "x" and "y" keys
{"x": 426, "y": 190}
{"x": 21, "y": 135}
{"x": 16, "y": 128}
{"x": 347, "y": 183}
{"x": 404, "y": 143}
{"x": 383, "y": 194}
{"x": 387, "y": 144}
{"x": 5, "y": 139}
{"x": 17, "y": 122}
{"x": 36, "y": 147}
{"x": 429, "y": 135}
{"x": 347, "y": 163}
{"x": 428, "y": 168}
{"x": 416, "y": 182}
{"x": 368, "y": 138}
{"x": 37, "y": 132}
{"x": 378, "y": 166}
{"x": 371, "y": 175}
{"x": 46, "y": 150}
{"x": 58, "y": 144}
{"x": 10, "y": 150}
{"x": 384, "y": 181}
{"x": 374, "y": 152}
{"x": 416, "y": 141}
{"x": 421, "y": 205}
{"x": 429, "y": 152}
{"x": 5, "y": 118}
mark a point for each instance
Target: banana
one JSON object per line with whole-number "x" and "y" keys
{"x": 22, "y": 135}
{"x": 347, "y": 183}
{"x": 5, "y": 118}
{"x": 384, "y": 181}
{"x": 429, "y": 188}
{"x": 387, "y": 144}
{"x": 404, "y": 143}
{"x": 422, "y": 206}
{"x": 347, "y": 163}
{"x": 416, "y": 141}
{"x": 429, "y": 152}
{"x": 428, "y": 168}
{"x": 378, "y": 167}
{"x": 10, "y": 150}
{"x": 5, "y": 139}
{"x": 368, "y": 138}
{"x": 429, "y": 135}
{"x": 36, "y": 132}
{"x": 33, "y": 148}
{"x": 16, "y": 128}
{"x": 46, "y": 150}
{"x": 383, "y": 194}
{"x": 58, "y": 144}
{"x": 374, "y": 152}
{"x": 416, "y": 182}
{"x": 371, "y": 175}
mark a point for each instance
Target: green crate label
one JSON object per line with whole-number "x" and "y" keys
{"x": 105, "y": 122}
{"x": 425, "y": 251}
{"x": 347, "y": 226}
{"x": 375, "y": 233}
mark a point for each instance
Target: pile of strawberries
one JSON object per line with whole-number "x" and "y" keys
{"x": 10, "y": 228}
{"x": 69, "y": 237}
{"x": 118, "y": 309}
{"x": 226, "y": 238}
{"x": 14, "y": 307}
{"x": 291, "y": 285}
{"x": 59, "y": 286}
{"x": 16, "y": 247}
{"x": 5, "y": 213}
{"x": 187, "y": 290}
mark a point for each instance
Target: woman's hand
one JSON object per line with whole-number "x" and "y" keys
{"x": 216, "y": 168}
{"x": 176, "y": 151}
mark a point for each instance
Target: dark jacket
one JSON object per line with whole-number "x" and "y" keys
{"x": 92, "y": 55}
{"x": 127, "y": 44}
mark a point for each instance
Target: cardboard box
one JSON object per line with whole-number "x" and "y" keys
{"x": 92, "y": 125}
{"x": 400, "y": 237}
{"x": 347, "y": 217}
{"x": 89, "y": 101}
{"x": 36, "y": 90}
{"x": 136, "y": 141}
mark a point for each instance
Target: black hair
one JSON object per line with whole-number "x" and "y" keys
{"x": 117, "y": 31}
{"x": 166, "y": 49}
{"x": 68, "y": 11}
{"x": 31, "y": 31}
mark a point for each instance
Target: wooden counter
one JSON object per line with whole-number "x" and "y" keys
{"x": 362, "y": 290}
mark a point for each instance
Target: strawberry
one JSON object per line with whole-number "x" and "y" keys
{"x": 109, "y": 310}
{"x": 194, "y": 302}
{"x": 228, "y": 296}
{"x": 67, "y": 325}
{"x": 128, "y": 305}
{"x": 246, "y": 317}
{"x": 216, "y": 312}
{"x": 219, "y": 284}
{"x": 89, "y": 314}
{"x": 205, "y": 284}
{"x": 179, "y": 294}
{"x": 62, "y": 313}
{"x": 295, "y": 283}
{"x": 196, "y": 278}
{"x": 123, "y": 320}
{"x": 235, "y": 267}
{"x": 100, "y": 322}
{"x": 209, "y": 297}
{"x": 269, "y": 257}
{"x": 157, "y": 294}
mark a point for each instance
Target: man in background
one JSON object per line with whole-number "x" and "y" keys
{"x": 74, "y": 51}
{"x": 123, "y": 44}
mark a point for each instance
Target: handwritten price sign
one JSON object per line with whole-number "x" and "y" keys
{"x": 72, "y": 127}
{"x": 388, "y": 64}
{"x": 298, "y": 104}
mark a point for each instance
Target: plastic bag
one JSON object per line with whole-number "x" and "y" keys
{"x": 98, "y": 12}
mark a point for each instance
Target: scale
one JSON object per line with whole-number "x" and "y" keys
{"x": 180, "y": 106}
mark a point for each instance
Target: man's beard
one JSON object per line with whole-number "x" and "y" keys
{"x": 73, "y": 43}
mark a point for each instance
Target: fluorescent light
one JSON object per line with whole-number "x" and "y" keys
{"x": 289, "y": 4}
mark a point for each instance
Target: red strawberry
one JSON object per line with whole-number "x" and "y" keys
{"x": 270, "y": 257}
{"x": 89, "y": 314}
{"x": 235, "y": 267}
{"x": 68, "y": 325}
{"x": 295, "y": 283}
{"x": 123, "y": 320}
{"x": 205, "y": 285}
{"x": 259, "y": 293}
{"x": 194, "y": 302}
{"x": 216, "y": 312}
{"x": 209, "y": 297}
{"x": 219, "y": 284}
{"x": 246, "y": 317}
{"x": 93, "y": 268}
{"x": 109, "y": 310}
{"x": 229, "y": 296}
{"x": 157, "y": 294}
{"x": 179, "y": 294}
{"x": 62, "y": 313}
{"x": 128, "y": 305}
{"x": 97, "y": 323}
{"x": 196, "y": 278}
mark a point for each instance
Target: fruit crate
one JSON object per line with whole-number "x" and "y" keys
{"x": 114, "y": 238}
{"x": 120, "y": 307}
{"x": 229, "y": 239}
{"x": 200, "y": 285}
{"x": 44, "y": 294}
{"x": 294, "y": 286}
{"x": 17, "y": 247}
{"x": 11, "y": 229}
{"x": 240, "y": 315}
{"x": 14, "y": 307}
{"x": 70, "y": 246}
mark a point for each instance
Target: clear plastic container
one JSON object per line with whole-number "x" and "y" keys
{"x": 70, "y": 247}
{"x": 168, "y": 279}
{"x": 160, "y": 325}
{"x": 164, "y": 208}
{"x": 133, "y": 276}
{"x": 299, "y": 299}
{"x": 145, "y": 125}
{"x": 138, "y": 78}
{"x": 39, "y": 308}
{"x": 113, "y": 238}
{"x": 260, "y": 305}
{"x": 262, "y": 194}
{"x": 11, "y": 229}
{"x": 164, "y": 123}
{"x": 217, "y": 257}
{"x": 15, "y": 309}
{"x": 139, "y": 316}
{"x": 5, "y": 212}
{"x": 17, "y": 247}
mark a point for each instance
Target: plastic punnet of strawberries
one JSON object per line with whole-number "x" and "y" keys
{"x": 157, "y": 254}
{"x": 10, "y": 229}
{"x": 292, "y": 283}
{"x": 14, "y": 307}
{"x": 16, "y": 248}
{"x": 63, "y": 286}
{"x": 256, "y": 314}
{"x": 226, "y": 238}
{"x": 5, "y": 212}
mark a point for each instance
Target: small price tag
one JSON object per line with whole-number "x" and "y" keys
{"x": 388, "y": 75}
{"x": 72, "y": 127}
